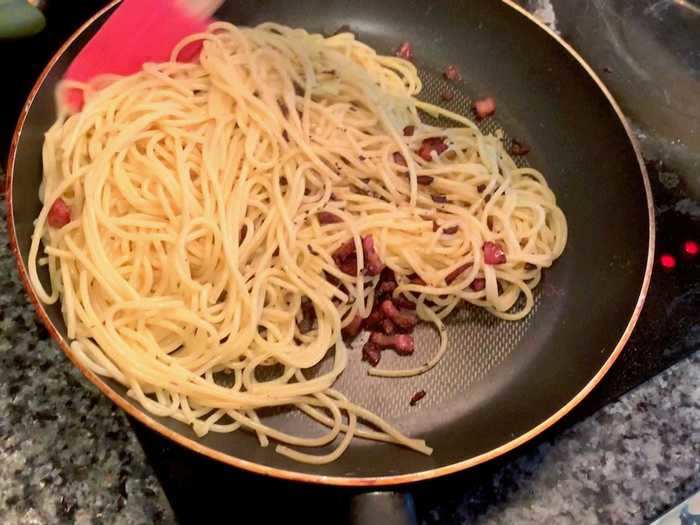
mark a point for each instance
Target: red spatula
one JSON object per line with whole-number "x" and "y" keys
{"x": 138, "y": 31}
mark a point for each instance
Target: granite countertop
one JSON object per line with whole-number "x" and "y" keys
{"x": 67, "y": 455}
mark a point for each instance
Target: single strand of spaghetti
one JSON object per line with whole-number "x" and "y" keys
{"x": 314, "y": 459}
{"x": 415, "y": 444}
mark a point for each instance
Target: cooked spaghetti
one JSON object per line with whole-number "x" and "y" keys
{"x": 193, "y": 212}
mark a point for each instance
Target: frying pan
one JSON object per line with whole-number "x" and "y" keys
{"x": 501, "y": 383}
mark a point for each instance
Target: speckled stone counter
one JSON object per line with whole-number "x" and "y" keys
{"x": 626, "y": 464}
{"x": 67, "y": 455}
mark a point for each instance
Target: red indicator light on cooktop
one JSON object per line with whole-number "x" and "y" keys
{"x": 668, "y": 261}
{"x": 691, "y": 248}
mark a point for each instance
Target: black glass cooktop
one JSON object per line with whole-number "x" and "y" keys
{"x": 647, "y": 52}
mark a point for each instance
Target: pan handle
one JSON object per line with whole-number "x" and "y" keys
{"x": 385, "y": 508}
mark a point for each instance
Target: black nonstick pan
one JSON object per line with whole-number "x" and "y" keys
{"x": 501, "y": 383}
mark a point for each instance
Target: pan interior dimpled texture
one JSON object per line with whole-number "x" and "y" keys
{"x": 501, "y": 382}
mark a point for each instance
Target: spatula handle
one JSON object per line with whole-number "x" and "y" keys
{"x": 201, "y": 8}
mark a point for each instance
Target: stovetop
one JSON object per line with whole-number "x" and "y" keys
{"x": 648, "y": 52}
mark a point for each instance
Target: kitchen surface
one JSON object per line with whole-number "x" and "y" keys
{"x": 627, "y": 455}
